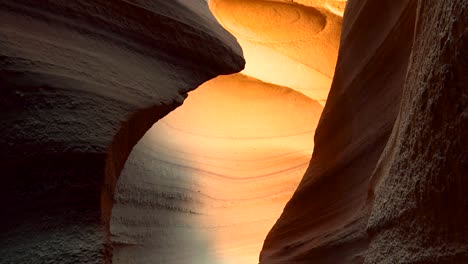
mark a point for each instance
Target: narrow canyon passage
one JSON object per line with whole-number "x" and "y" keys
{"x": 207, "y": 182}
{"x": 234, "y": 131}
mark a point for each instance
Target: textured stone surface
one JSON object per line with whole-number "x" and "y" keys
{"x": 420, "y": 210}
{"x": 81, "y": 82}
{"x": 406, "y": 204}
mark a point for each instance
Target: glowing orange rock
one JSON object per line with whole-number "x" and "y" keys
{"x": 214, "y": 175}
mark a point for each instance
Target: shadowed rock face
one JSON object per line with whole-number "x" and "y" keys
{"x": 213, "y": 176}
{"x": 387, "y": 180}
{"x": 81, "y": 82}
{"x": 419, "y": 187}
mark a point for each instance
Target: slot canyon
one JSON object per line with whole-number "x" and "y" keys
{"x": 234, "y": 131}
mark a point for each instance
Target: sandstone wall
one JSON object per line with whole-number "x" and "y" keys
{"x": 386, "y": 182}
{"x": 207, "y": 182}
{"x": 81, "y": 82}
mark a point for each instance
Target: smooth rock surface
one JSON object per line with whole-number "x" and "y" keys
{"x": 213, "y": 176}
{"x": 81, "y": 82}
{"x": 287, "y": 43}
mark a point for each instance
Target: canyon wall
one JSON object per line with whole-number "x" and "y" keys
{"x": 387, "y": 181}
{"x": 81, "y": 82}
{"x": 207, "y": 182}
{"x": 419, "y": 188}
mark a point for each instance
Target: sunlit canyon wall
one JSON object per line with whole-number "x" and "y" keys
{"x": 207, "y": 182}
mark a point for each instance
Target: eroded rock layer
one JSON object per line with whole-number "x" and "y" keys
{"x": 81, "y": 82}
{"x": 207, "y": 182}
{"x": 368, "y": 197}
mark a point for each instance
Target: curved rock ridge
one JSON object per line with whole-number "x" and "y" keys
{"x": 211, "y": 177}
{"x": 81, "y": 82}
{"x": 387, "y": 182}
{"x": 207, "y": 182}
{"x": 292, "y": 44}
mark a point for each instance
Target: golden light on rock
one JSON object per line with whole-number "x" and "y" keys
{"x": 288, "y": 44}
{"x": 214, "y": 175}
{"x": 268, "y": 21}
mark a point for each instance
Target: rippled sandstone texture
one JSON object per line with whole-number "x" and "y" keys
{"x": 212, "y": 177}
{"x": 387, "y": 182}
{"x": 207, "y": 182}
{"x": 287, "y": 43}
{"x": 81, "y": 82}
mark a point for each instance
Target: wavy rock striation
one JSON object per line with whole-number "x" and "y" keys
{"x": 285, "y": 43}
{"x": 213, "y": 176}
{"x": 387, "y": 179}
{"x": 81, "y": 82}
